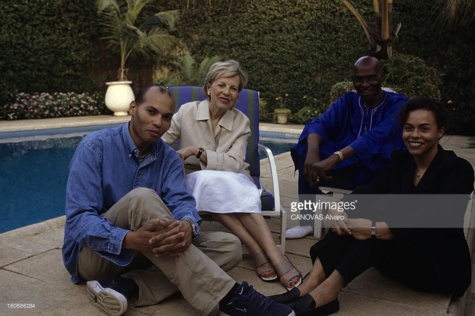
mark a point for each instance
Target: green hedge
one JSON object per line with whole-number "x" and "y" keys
{"x": 297, "y": 48}
{"x": 45, "y": 46}
{"x": 302, "y": 48}
{"x": 50, "y": 46}
{"x": 450, "y": 50}
{"x": 289, "y": 47}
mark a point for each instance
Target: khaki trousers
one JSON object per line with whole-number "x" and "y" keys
{"x": 198, "y": 273}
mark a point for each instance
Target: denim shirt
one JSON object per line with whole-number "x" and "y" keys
{"x": 104, "y": 168}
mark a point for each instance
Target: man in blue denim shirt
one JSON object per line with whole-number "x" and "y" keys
{"x": 132, "y": 224}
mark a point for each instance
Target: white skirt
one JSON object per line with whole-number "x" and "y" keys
{"x": 223, "y": 192}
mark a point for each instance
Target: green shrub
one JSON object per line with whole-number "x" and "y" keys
{"x": 402, "y": 73}
{"x": 412, "y": 76}
{"x": 340, "y": 88}
{"x": 305, "y": 115}
{"x": 190, "y": 71}
{"x": 286, "y": 48}
{"x": 46, "y": 46}
{"x": 308, "y": 108}
{"x": 265, "y": 113}
{"x": 297, "y": 47}
{"x": 461, "y": 119}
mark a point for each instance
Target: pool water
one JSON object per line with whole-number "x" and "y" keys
{"x": 33, "y": 179}
{"x": 278, "y": 146}
{"x": 34, "y": 172}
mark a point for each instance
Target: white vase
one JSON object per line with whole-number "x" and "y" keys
{"x": 119, "y": 94}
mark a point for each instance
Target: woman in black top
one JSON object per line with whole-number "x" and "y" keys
{"x": 418, "y": 245}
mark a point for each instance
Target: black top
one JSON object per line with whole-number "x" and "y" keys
{"x": 447, "y": 174}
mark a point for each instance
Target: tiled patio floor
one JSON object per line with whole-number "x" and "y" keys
{"x": 31, "y": 269}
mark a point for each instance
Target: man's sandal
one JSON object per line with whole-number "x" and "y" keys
{"x": 260, "y": 260}
{"x": 287, "y": 271}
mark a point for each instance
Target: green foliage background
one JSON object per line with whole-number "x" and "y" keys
{"x": 288, "y": 47}
{"x": 295, "y": 47}
{"x": 45, "y": 45}
{"x": 451, "y": 50}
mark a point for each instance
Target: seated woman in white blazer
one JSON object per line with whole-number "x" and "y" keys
{"x": 213, "y": 138}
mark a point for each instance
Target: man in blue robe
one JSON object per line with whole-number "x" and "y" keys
{"x": 352, "y": 141}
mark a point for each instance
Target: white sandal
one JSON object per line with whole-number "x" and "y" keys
{"x": 259, "y": 260}
{"x": 287, "y": 271}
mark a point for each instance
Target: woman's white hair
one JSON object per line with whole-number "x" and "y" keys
{"x": 224, "y": 69}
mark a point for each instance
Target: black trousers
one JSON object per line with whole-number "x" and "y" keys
{"x": 409, "y": 264}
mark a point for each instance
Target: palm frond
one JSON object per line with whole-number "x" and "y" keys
{"x": 188, "y": 67}
{"x": 107, "y": 5}
{"x": 362, "y": 22}
{"x": 130, "y": 33}
{"x": 456, "y": 12}
{"x": 134, "y": 10}
{"x": 206, "y": 64}
{"x": 164, "y": 19}
{"x": 193, "y": 73}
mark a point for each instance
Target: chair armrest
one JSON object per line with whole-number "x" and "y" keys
{"x": 273, "y": 173}
{"x": 279, "y": 210}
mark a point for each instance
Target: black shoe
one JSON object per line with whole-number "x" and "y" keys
{"x": 286, "y": 297}
{"x": 247, "y": 301}
{"x": 306, "y": 306}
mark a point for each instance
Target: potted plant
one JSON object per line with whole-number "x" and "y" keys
{"x": 282, "y": 113}
{"x": 128, "y": 31}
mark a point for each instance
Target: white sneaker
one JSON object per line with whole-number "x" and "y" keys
{"x": 298, "y": 232}
{"x": 107, "y": 300}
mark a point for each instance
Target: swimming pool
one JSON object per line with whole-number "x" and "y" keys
{"x": 278, "y": 142}
{"x": 34, "y": 170}
{"x": 33, "y": 179}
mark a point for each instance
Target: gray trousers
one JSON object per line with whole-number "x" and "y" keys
{"x": 199, "y": 273}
